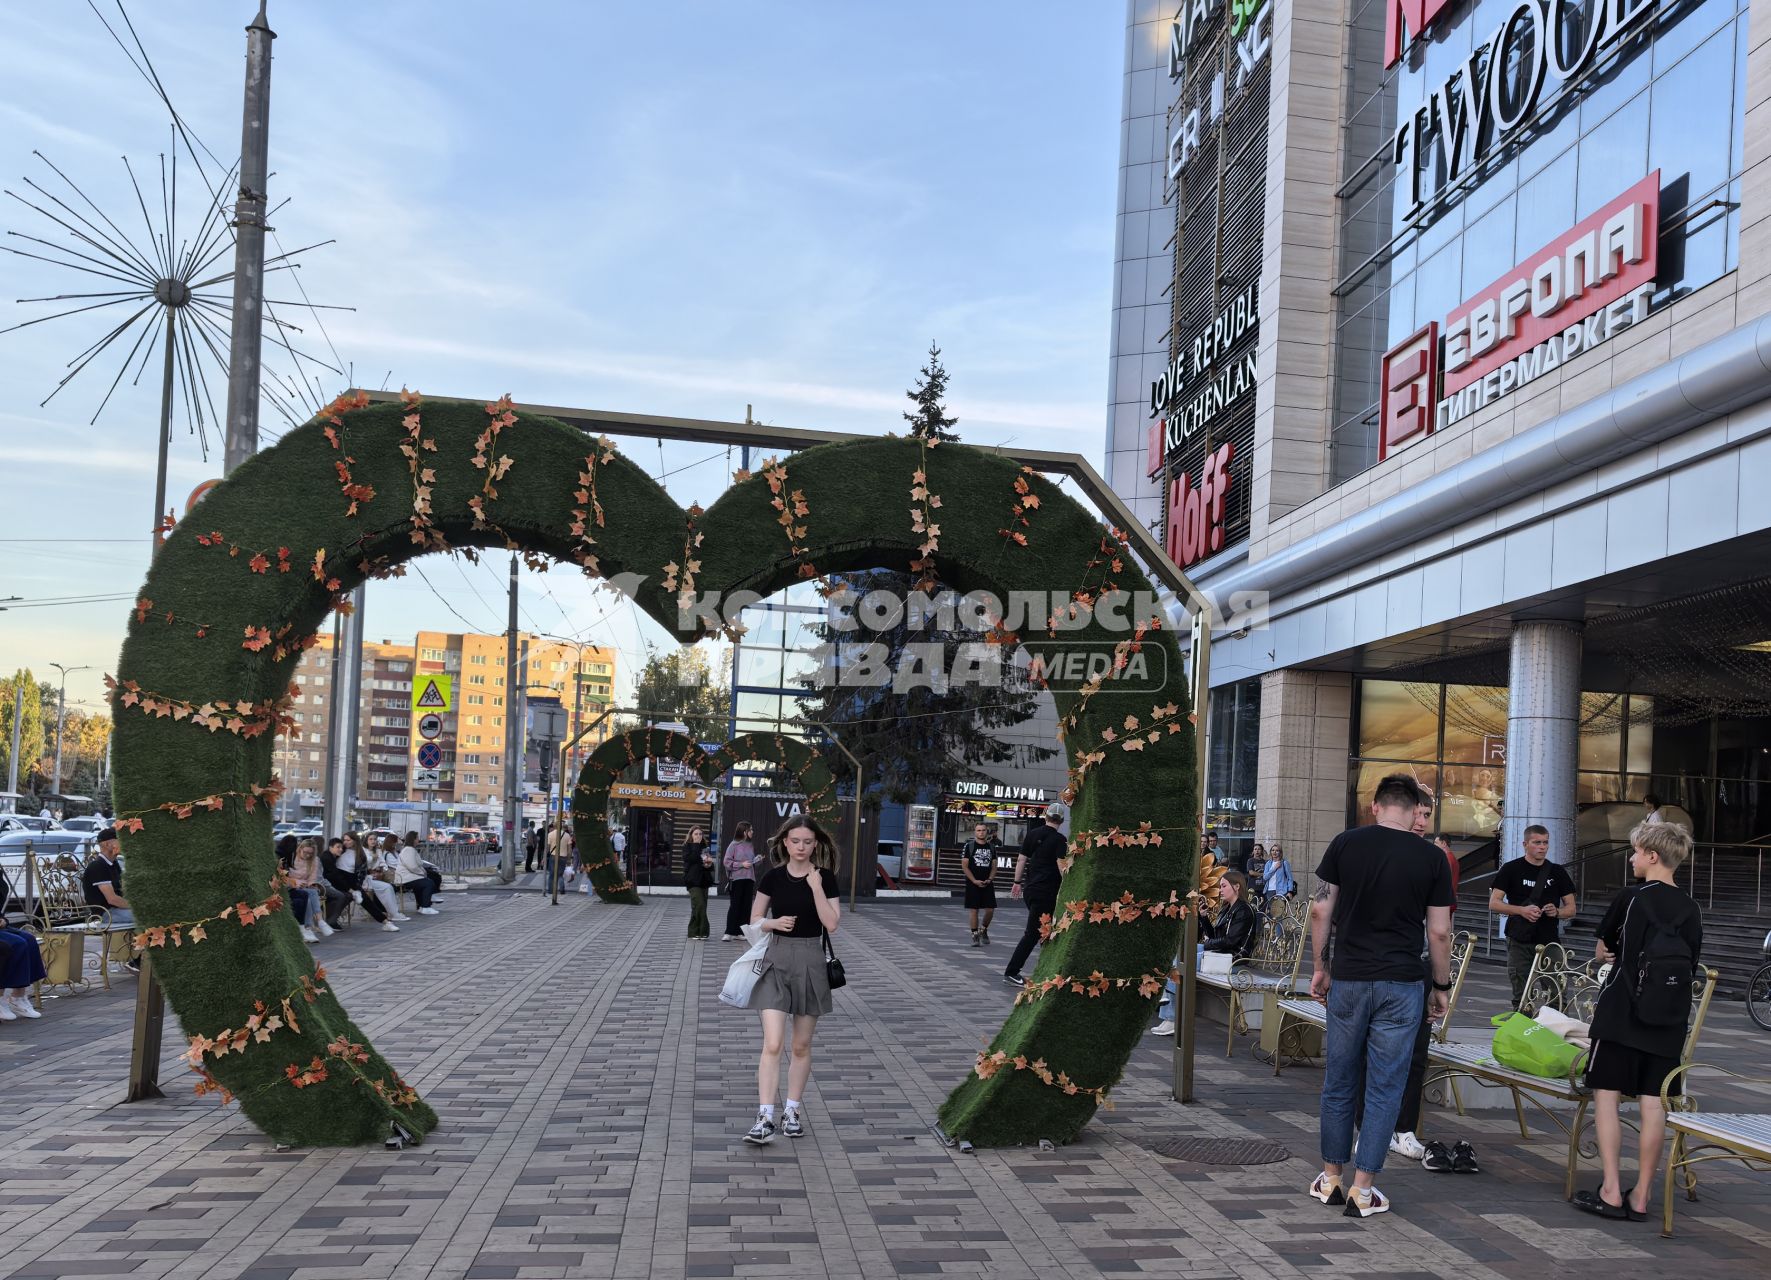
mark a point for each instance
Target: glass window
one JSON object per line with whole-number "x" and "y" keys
{"x": 1641, "y": 735}
{"x": 1614, "y": 155}
{"x": 1687, "y": 140}
{"x": 1488, "y": 248}
{"x": 1476, "y": 724}
{"x": 1368, "y": 773}
{"x": 1398, "y": 721}
{"x": 1546, "y": 205}
{"x": 1470, "y": 800}
{"x": 759, "y": 666}
{"x": 1601, "y": 731}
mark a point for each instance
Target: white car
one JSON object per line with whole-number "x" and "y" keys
{"x": 88, "y": 826}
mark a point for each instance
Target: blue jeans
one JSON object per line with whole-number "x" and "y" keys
{"x": 1371, "y": 1027}
{"x": 1171, "y": 993}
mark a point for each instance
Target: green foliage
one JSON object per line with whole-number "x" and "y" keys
{"x": 930, "y": 420}
{"x": 31, "y": 725}
{"x": 211, "y": 627}
{"x": 683, "y": 687}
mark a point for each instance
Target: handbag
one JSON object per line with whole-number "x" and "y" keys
{"x": 1531, "y": 1047}
{"x": 747, "y": 969}
{"x": 833, "y": 966}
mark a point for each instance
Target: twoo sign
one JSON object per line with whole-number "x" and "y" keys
{"x": 1196, "y": 516}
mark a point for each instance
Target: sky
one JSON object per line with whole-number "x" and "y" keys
{"x": 673, "y": 209}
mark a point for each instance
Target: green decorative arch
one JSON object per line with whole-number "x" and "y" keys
{"x": 590, "y": 797}
{"x": 245, "y": 581}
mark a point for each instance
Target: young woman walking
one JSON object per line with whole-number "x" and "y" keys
{"x": 698, "y": 878}
{"x": 797, "y": 901}
{"x": 740, "y": 863}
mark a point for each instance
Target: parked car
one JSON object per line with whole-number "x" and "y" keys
{"x": 85, "y": 826}
{"x": 24, "y": 822}
{"x": 45, "y": 844}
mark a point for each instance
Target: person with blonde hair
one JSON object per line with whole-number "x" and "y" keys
{"x": 798, "y": 901}
{"x": 1651, "y": 936}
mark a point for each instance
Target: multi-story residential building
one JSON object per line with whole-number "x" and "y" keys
{"x": 382, "y": 727}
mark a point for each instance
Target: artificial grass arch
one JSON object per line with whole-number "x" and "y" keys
{"x": 590, "y": 797}
{"x": 244, "y": 582}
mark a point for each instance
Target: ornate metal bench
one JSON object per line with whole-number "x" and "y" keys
{"x": 1699, "y": 1138}
{"x": 66, "y": 921}
{"x": 1556, "y": 982}
{"x": 1299, "y": 1013}
{"x": 1271, "y": 969}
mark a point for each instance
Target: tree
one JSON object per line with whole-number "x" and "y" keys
{"x": 913, "y": 740}
{"x": 682, "y": 686}
{"x": 929, "y": 419}
{"x": 85, "y": 740}
{"x": 30, "y": 747}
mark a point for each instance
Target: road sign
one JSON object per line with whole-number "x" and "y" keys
{"x": 547, "y": 720}
{"x": 430, "y": 755}
{"x": 433, "y": 693}
{"x": 430, "y": 726}
{"x": 427, "y": 780}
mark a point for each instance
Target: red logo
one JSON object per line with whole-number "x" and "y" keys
{"x": 1196, "y": 516}
{"x": 1414, "y": 15}
{"x": 1409, "y": 374}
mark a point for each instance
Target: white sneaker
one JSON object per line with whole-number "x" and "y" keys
{"x": 1163, "y": 1028}
{"x": 429, "y": 911}
{"x": 308, "y": 935}
{"x": 1407, "y": 1146}
{"x": 22, "y": 1006}
{"x": 401, "y": 917}
{"x": 388, "y": 926}
{"x": 323, "y": 929}
{"x": 6, "y": 1013}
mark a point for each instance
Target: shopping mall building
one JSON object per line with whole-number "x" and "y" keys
{"x": 1442, "y": 360}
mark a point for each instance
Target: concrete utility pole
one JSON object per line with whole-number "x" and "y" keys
{"x": 249, "y": 229}
{"x": 513, "y": 737}
{"x": 61, "y": 719}
{"x": 347, "y": 701}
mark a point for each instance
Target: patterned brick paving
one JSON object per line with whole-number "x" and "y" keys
{"x": 593, "y": 1090}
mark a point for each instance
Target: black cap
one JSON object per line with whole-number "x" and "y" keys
{"x": 109, "y": 833}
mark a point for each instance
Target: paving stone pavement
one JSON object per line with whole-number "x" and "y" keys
{"x": 592, "y": 1092}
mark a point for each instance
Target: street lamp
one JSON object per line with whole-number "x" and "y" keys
{"x": 61, "y": 715}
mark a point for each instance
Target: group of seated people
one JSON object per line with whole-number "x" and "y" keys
{"x": 323, "y": 883}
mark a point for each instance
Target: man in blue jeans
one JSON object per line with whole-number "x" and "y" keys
{"x": 1380, "y": 888}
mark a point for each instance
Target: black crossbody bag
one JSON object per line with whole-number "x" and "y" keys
{"x": 833, "y": 966}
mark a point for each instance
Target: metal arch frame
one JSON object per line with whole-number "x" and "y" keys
{"x": 1078, "y": 468}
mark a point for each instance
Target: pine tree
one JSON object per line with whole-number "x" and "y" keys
{"x": 930, "y": 418}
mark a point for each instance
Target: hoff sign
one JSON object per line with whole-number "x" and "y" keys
{"x": 1566, "y": 298}
{"x": 1196, "y": 516}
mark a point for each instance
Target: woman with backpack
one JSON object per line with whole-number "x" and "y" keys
{"x": 1650, "y": 938}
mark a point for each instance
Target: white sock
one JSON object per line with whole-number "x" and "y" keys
{"x": 793, "y": 1104}
{"x": 767, "y": 1111}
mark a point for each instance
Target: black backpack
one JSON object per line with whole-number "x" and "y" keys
{"x": 1665, "y": 970}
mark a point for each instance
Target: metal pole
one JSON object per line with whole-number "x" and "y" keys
{"x": 1186, "y": 1014}
{"x": 144, "y": 1048}
{"x": 347, "y": 693}
{"x": 249, "y": 229}
{"x": 513, "y": 765}
{"x": 165, "y": 444}
{"x": 558, "y": 852}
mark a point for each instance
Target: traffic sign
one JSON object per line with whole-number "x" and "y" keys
{"x": 430, "y": 755}
{"x": 427, "y": 780}
{"x": 432, "y": 693}
{"x": 430, "y": 726}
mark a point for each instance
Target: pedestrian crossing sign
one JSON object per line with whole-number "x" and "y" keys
{"x": 432, "y": 693}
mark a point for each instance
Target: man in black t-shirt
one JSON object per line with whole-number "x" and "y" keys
{"x": 1384, "y": 891}
{"x": 978, "y": 861}
{"x": 1037, "y": 879}
{"x": 1534, "y": 894}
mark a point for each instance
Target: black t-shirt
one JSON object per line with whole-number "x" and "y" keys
{"x": 980, "y": 860}
{"x": 1524, "y": 885}
{"x": 1042, "y": 848}
{"x": 790, "y": 895}
{"x": 1385, "y": 879}
{"x": 100, "y": 871}
{"x": 1614, "y": 1015}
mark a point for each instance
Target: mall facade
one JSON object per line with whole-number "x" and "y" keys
{"x": 1442, "y": 362}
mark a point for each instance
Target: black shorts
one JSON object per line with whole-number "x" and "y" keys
{"x": 1631, "y": 1072}
{"x": 980, "y": 896}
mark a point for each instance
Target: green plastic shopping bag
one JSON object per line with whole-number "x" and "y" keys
{"x": 1531, "y": 1047}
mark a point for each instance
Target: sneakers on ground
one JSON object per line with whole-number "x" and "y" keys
{"x": 792, "y": 1125}
{"x": 985, "y": 935}
{"x": 1327, "y": 1188}
{"x": 1407, "y": 1146}
{"x": 400, "y": 917}
{"x": 762, "y": 1132}
{"x": 1366, "y": 1204}
{"x": 429, "y": 911}
{"x": 308, "y": 935}
{"x": 1163, "y": 1028}
{"x": 1436, "y": 1158}
{"x": 21, "y": 1006}
{"x": 324, "y": 929}
{"x": 977, "y": 938}
{"x": 1014, "y": 979}
{"x": 6, "y": 1011}
{"x": 1463, "y": 1158}
{"x": 388, "y": 926}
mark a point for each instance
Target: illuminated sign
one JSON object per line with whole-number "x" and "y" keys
{"x": 1196, "y": 516}
{"x": 1494, "y": 92}
{"x": 1410, "y": 18}
{"x": 1252, "y": 47}
{"x": 1190, "y": 21}
{"x": 1406, "y": 384}
{"x": 1235, "y": 321}
{"x": 999, "y": 791}
{"x": 1567, "y": 298}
